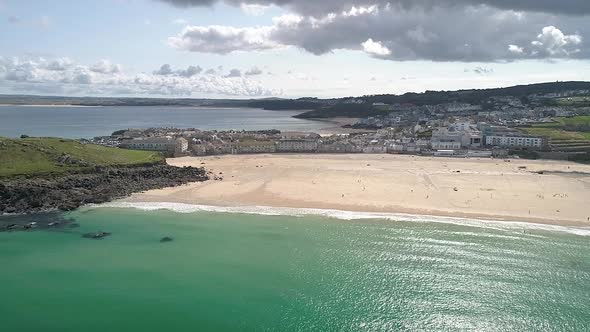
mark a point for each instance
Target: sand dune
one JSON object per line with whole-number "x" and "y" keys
{"x": 479, "y": 188}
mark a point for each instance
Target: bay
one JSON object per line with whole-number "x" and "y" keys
{"x": 88, "y": 122}
{"x": 237, "y": 272}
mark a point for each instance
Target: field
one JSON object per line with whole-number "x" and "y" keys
{"x": 572, "y": 101}
{"x": 557, "y": 134}
{"x": 43, "y": 156}
{"x": 574, "y": 128}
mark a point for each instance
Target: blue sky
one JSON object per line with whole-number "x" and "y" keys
{"x": 113, "y": 47}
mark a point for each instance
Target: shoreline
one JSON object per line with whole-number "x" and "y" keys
{"x": 516, "y": 225}
{"x": 483, "y": 189}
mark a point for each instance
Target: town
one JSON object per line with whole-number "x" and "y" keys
{"x": 499, "y": 127}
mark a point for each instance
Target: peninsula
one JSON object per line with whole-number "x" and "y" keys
{"x": 46, "y": 174}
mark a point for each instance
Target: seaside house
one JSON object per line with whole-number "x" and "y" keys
{"x": 297, "y": 145}
{"x": 167, "y": 145}
{"x": 249, "y": 147}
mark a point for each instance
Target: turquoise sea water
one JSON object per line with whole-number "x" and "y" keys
{"x": 88, "y": 122}
{"x": 236, "y": 272}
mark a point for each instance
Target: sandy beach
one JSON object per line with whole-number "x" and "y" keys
{"x": 491, "y": 189}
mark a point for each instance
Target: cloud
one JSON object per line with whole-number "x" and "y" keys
{"x": 323, "y": 7}
{"x": 105, "y": 67}
{"x": 375, "y": 48}
{"x": 44, "y": 22}
{"x": 190, "y": 71}
{"x": 515, "y": 49}
{"x": 165, "y": 69}
{"x": 180, "y": 21}
{"x": 60, "y": 64}
{"x": 554, "y": 42}
{"x": 254, "y": 71}
{"x": 406, "y": 32}
{"x": 64, "y": 76}
{"x": 222, "y": 39}
{"x": 13, "y": 19}
{"x": 254, "y": 9}
{"x": 234, "y": 73}
{"x": 480, "y": 70}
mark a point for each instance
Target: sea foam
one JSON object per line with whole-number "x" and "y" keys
{"x": 506, "y": 225}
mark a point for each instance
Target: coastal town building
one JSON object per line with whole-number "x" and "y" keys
{"x": 255, "y": 147}
{"x": 519, "y": 141}
{"x": 162, "y": 144}
{"x": 297, "y": 145}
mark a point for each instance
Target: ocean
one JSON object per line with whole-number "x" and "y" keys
{"x": 88, "y": 122}
{"x": 228, "y": 270}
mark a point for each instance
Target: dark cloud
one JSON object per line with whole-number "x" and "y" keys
{"x": 164, "y": 70}
{"x": 190, "y": 71}
{"x": 480, "y": 70}
{"x": 234, "y": 73}
{"x": 475, "y": 34}
{"x": 13, "y": 19}
{"x": 254, "y": 71}
{"x": 319, "y": 8}
{"x": 436, "y": 30}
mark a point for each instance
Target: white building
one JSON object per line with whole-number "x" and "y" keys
{"x": 161, "y": 144}
{"x": 456, "y": 136}
{"x": 521, "y": 141}
{"x": 446, "y": 139}
{"x": 255, "y": 147}
{"x": 297, "y": 145}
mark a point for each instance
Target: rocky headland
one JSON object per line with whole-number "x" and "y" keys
{"x": 102, "y": 184}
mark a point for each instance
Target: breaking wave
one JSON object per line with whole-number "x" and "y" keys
{"x": 506, "y": 225}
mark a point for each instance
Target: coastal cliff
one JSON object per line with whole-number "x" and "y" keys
{"x": 47, "y": 174}
{"x": 104, "y": 184}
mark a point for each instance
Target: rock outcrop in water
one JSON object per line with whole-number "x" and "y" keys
{"x": 104, "y": 184}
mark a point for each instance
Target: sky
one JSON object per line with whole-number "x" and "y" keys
{"x": 287, "y": 48}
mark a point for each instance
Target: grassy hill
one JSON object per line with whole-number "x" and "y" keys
{"x": 566, "y": 134}
{"x": 46, "y": 156}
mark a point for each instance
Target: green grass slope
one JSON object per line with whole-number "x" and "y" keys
{"x": 46, "y": 156}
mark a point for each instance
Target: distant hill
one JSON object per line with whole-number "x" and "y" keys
{"x": 318, "y": 108}
{"x": 475, "y": 96}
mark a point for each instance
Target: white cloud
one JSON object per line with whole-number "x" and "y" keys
{"x": 515, "y": 49}
{"x": 555, "y": 42}
{"x": 375, "y": 48}
{"x": 63, "y": 76}
{"x": 45, "y": 22}
{"x": 106, "y": 67}
{"x": 254, "y": 9}
{"x": 60, "y": 64}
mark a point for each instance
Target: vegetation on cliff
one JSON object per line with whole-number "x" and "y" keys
{"x": 55, "y": 156}
{"x": 46, "y": 174}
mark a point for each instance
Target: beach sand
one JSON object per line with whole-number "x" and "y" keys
{"x": 492, "y": 189}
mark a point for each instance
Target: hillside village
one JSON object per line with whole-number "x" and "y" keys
{"x": 498, "y": 127}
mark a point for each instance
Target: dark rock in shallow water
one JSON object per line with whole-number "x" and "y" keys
{"x": 96, "y": 236}
{"x": 37, "y": 221}
{"x": 166, "y": 239}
